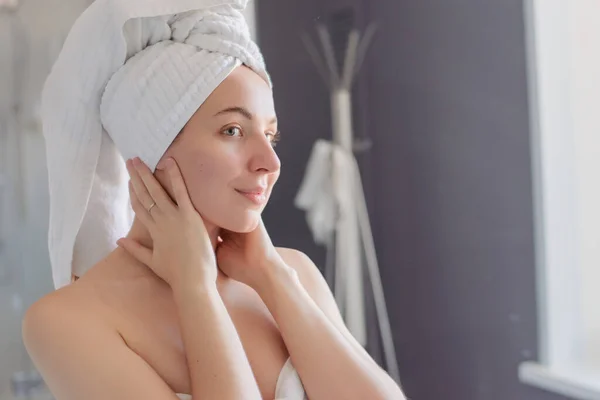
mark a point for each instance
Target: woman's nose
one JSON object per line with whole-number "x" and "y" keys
{"x": 264, "y": 157}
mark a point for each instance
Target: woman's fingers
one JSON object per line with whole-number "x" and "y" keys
{"x": 182, "y": 196}
{"x": 139, "y": 187}
{"x": 139, "y": 252}
{"x": 140, "y": 210}
{"x": 153, "y": 186}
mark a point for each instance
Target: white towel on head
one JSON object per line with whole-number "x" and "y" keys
{"x": 130, "y": 75}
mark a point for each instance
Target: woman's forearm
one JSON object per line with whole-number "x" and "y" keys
{"x": 218, "y": 365}
{"x": 330, "y": 368}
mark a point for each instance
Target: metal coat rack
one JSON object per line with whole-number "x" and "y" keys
{"x": 346, "y": 276}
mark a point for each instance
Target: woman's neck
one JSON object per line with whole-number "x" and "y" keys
{"x": 140, "y": 234}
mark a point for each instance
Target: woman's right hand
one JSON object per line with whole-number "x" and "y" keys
{"x": 181, "y": 252}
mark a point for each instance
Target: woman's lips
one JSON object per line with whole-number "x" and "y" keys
{"x": 256, "y": 196}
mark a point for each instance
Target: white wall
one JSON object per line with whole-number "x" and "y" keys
{"x": 585, "y": 96}
{"x": 567, "y": 54}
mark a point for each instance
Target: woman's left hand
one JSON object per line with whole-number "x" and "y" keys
{"x": 248, "y": 257}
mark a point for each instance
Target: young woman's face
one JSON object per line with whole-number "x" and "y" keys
{"x": 226, "y": 150}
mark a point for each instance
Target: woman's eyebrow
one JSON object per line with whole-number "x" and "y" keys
{"x": 242, "y": 111}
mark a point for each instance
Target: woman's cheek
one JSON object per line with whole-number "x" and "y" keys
{"x": 204, "y": 181}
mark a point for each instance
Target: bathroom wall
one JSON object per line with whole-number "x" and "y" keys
{"x": 24, "y": 266}
{"x": 449, "y": 181}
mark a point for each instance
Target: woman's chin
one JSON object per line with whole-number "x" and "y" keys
{"x": 244, "y": 223}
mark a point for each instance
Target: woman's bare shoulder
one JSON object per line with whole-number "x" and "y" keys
{"x": 298, "y": 260}
{"x": 64, "y": 306}
{"x": 68, "y": 298}
{"x": 74, "y": 343}
{"x": 82, "y": 303}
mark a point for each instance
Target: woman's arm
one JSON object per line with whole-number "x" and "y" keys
{"x": 330, "y": 362}
{"x": 217, "y": 362}
{"x": 182, "y": 255}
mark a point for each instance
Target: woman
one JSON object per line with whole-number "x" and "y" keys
{"x": 195, "y": 302}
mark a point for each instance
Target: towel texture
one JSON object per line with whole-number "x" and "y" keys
{"x": 130, "y": 75}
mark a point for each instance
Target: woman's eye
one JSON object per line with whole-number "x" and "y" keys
{"x": 275, "y": 137}
{"x": 231, "y": 131}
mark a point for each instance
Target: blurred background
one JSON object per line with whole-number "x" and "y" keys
{"x": 480, "y": 174}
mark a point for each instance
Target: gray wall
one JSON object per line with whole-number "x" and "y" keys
{"x": 444, "y": 97}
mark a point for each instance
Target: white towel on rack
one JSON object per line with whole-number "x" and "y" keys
{"x": 329, "y": 193}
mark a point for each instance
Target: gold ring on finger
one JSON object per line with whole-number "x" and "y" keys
{"x": 150, "y": 208}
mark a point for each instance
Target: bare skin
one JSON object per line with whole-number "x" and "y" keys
{"x": 115, "y": 332}
{"x": 139, "y": 306}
